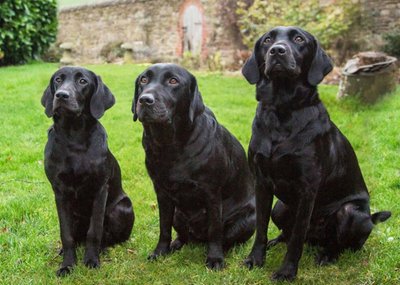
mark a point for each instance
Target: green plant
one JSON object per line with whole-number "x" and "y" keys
{"x": 27, "y": 28}
{"x": 392, "y": 43}
{"x": 190, "y": 60}
{"x": 214, "y": 62}
{"x": 331, "y": 24}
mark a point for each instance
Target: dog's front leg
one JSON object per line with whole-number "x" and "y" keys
{"x": 288, "y": 269}
{"x": 95, "y": 232}
{"x": 64, "y": 212}
{"x": 215, "y": 254}
{"x": 166, "y": 210}
{"x": 264, "y": 198}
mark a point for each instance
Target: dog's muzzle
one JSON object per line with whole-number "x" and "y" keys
{"x": 277, "y": 50}
{"x": 146, "y": 99}
{"x": 279, "y": 59}
{"x": 62, "y": 95}
{"x": 65, "y": 100}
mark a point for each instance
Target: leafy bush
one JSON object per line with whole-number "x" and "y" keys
{"x": 214, "y": 62}
{"x": 190, "y": 60}
{"x": 392, "y": 43}
{"x": 331, "y": 24}
{"x": 27, "y": 28}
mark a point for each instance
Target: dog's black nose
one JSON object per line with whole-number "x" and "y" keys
{"x": 147, "y": 99}
{"x": 277, "y": 49}
{"x": 62, "y": 95}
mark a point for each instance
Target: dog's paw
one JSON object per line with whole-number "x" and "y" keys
{"x": 323, "y": 258}
{"x": 285, "y": 273}
{"x": 254, "y": 260}
{"x": 64, "y": 270}
{"x": 152, "y": 256}
{"x": 91, "y": 259}
{"x": 215, "y": 263}
{"x": 157, "y": 253}
{"x": 177, "y": 244}
{"x": 92, "y": 262}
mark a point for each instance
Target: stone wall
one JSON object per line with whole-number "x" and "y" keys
{"x": 90, "y": 28}
{"x": 155, "y": 24}
{"x": 381, "y": 16}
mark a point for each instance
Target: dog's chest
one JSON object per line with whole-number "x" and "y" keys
{"x": 269, "y": 135}
{"x": 79, "y": 168}
{"x": 75, "y": 168}
{"x": 179, "y": 183}
{"x": 280, "y": 150}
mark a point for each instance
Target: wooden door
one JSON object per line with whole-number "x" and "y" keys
{"x": 192, "y": 29}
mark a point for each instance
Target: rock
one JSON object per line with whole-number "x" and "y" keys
{"x": 66, "y": 58}
{"x": 368, "y": 75}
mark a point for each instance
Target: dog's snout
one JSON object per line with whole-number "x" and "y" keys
{"x": 62, "y": 95}
{"x": 147, "y": 99}
{"x": 277, "y": 49}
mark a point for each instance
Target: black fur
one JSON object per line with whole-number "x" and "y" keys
{"x": 91, "y": 204}
{"x": 202, "y": 180}
{"x": 300, "y": 156}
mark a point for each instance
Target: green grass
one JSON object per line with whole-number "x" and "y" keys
{"x": 29, "y": 234}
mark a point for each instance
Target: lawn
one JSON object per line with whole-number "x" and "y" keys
{"x": 29, "y": 234}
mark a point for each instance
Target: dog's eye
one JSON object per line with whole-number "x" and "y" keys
{"x": 82, "y": 81}
{"x": 173, "y": 81}
{"x": 144, "y": 80}
{"x": 267, "y": 40}
{"x": 299, "y": 39}
{"x": 58, "y": 80}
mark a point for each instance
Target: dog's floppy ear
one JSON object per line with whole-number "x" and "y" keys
{"x": 102, "y": 99}
{"x": 251, "y": 70}
{"x": 196, "y": 106}
{"x": 380, "y": 216}
{"x": 135, "y": 99}
{"x": 47, "y": 98}
{"x": 321, "y": 65}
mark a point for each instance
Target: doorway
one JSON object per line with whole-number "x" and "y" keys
{"x": 192, "y": 30}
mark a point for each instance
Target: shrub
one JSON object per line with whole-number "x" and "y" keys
{"x": 392, "y": 43}
{"x": 214, "y": 62}
{"x": 27, "y": 28}
{"x": 331, "y": 24}
{"x": 190, "y": 60}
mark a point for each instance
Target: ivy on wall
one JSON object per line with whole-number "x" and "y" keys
{"x": 332, "y": 24}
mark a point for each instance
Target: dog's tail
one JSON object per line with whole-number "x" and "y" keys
{"x": 380, "y": 217}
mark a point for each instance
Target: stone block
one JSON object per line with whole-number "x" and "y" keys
{"x": 369, "y": 77}
{"x": 67, "y": 49}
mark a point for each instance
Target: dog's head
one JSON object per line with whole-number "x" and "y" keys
{"x": 287, "y": 52}
{"x": 73, "y": 91}
{"x": 164, "y": 92}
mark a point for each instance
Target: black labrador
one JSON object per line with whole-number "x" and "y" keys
{"x": 199, "y": 170}
{"x": 86, "y": 179}
{"x": 300, "y": 156}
